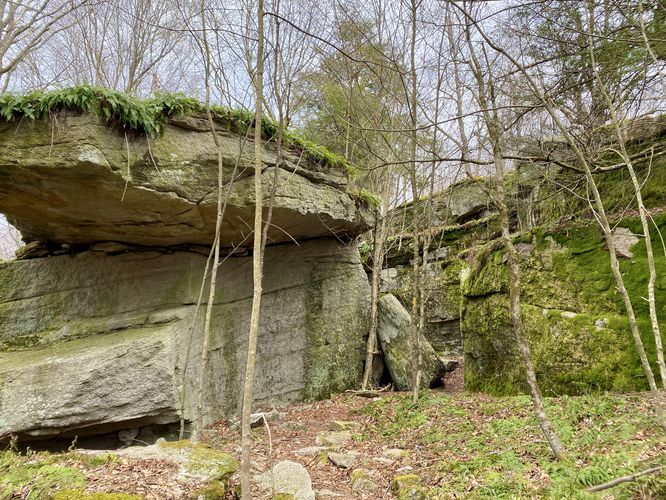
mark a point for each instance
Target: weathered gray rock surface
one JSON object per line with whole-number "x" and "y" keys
{"x": 393, "y": 334}
{"x": 98, "y": 331}
{"x": 76, "y": 180}
{"x": 286, "y": 479}
{"x": 94, "y": 342}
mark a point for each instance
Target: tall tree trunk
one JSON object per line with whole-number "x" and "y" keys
{"x": 221, "y": 206}
{"x": 257, "y": 266}
{"x": 379, "y": 240}
{"x": 487, "y": 101}
{"x": 416, "y": 215}
{"x": 516, "y": 318}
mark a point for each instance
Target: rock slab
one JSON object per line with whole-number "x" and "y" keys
{"x": 393, "y": 333}
{"x": 115, "y": 330}
{"x": 88, "y": 183}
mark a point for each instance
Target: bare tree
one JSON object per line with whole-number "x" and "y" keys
{"x": 257, "y": 265}
{"x": 487, "y": 93}
{"x": 25, "y": 26}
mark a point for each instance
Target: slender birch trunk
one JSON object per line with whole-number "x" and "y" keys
{"x": 257, "y": 267}
{"x": 624, "y": 154}
{"x": 486, "y": 96}
{"x": 379, "y": 240}
{"x": 416, "y": 215}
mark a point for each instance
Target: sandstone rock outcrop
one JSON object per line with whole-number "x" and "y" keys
{"x": 98, "y": 332}
{"x": 76, "y": 180}
{"x": 573, "y": 315}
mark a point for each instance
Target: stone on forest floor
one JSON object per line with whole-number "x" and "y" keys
{"x": 194, "y": 460}
{"x": 624, "y": 239}
{"x": 286, "y": 478}
{"x": 408, "y": 487}
{"x": 362, "y": 484}
{"x": 327, "y": 494}
{"x": 260, "y": 419}
{"x": 395, "y": 453}
{"x": 343, "y": 460}
{"x": 341, "y": 425}
{"x": 333, "y": 438}
{"x": 311, "y": 451}
{"x": 393, "y": 332}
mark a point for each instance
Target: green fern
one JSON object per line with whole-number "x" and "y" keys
{"x": 149, "y": 116}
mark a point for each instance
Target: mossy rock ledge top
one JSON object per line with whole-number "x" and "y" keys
{"x": 75, "y": 179}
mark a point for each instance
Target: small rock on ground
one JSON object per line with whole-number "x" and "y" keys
{"x": 341, "y": 425}
{"x": 333, "y": 439}
{"x": 362, "y": 485}
{"x": 327, "y": 494}
{"x": 395, "y": 453}
{"x": 408, "y": 487}
{"x": 343, "y": 460}
{"x": 288, "y": 478}
{"x": 311, "y": 451}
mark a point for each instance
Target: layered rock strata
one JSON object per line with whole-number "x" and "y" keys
{"x": 99, "y": 333}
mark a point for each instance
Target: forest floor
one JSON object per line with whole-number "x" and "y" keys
{"x": 459, "y": 445}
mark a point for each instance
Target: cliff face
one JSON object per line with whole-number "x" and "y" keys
{"x": 99, "y": 333}
{"x": 573, "y": 314}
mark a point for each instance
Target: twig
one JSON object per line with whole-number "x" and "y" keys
{"x": 624, "y": 479}
{"x": 370, "y": 393}
{"x": 122, "y": 198}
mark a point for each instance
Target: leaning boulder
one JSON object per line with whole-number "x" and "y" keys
{"x": 393, "y": 332}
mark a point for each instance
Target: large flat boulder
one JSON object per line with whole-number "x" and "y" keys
{"x": 74, "y": 179}
{"x": 96, "y": 342}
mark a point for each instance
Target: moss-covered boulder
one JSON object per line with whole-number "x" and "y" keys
{"x": 574, "y": 316}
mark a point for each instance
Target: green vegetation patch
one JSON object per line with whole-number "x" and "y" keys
{"x": 149, "y": 116}
{"x": 36, "y": 476}
{"x": 492, "y": 447}
{"x": 574, "y": 316}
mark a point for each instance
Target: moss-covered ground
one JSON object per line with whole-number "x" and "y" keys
{"x": 44, "y": 475}
{"x": 105, "y": 476}
{"x": 474, "y": 446}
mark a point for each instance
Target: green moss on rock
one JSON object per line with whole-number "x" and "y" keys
{"x": 40, "y": 476}
{"x": 202, "y": 459}
{"x": 574, "y": 316}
